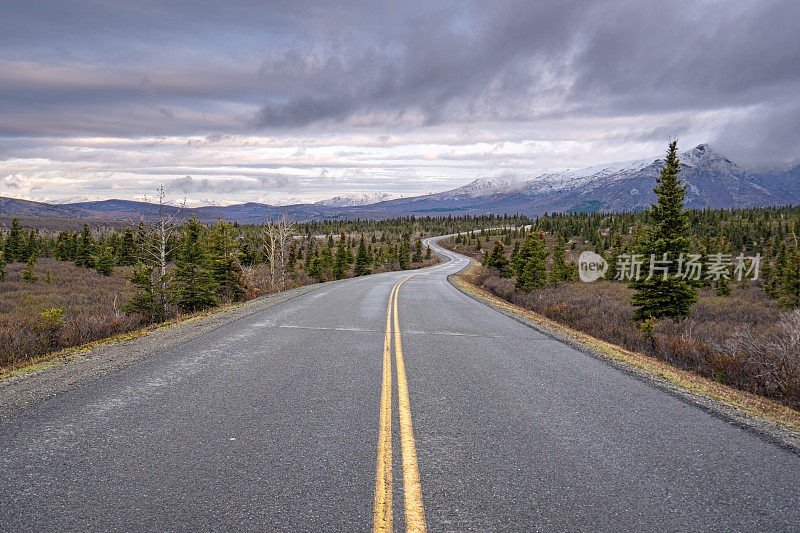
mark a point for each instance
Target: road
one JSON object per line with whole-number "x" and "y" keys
{"x": 289, "y": 420}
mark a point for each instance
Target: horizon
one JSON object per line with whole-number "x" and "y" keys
{"x": 198, "y": 203}
{"x": 297, "y": 103}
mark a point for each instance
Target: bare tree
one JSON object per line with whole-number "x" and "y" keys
{"x": 277, "y": 234}
{"x": 157, "y": 243}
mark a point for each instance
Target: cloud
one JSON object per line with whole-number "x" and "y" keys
{"x": 768, "y": 134}
{"x": 245, "y": 97}
{"x": 280, "y": 182}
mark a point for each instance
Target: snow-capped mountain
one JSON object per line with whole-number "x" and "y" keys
{"x": 482, "y": 187}
{"x": 712, "y": 180}
{"x": 198, "y": 202}
{"x": 70, "y": 200}
{"x": 356, "y": 199}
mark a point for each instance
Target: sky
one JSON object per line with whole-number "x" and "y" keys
{"x": 283, "y": 102}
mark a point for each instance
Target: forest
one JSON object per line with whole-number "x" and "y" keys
{"x": 64, "y": 288}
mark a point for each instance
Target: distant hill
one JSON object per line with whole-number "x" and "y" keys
{"x": 712, "y": 181}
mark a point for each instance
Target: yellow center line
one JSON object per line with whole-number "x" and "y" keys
{"x": 382, "y": 516}
{"x": 414, "y": 513}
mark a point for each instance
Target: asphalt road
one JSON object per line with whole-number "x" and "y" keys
{"x": 273, "y": 423}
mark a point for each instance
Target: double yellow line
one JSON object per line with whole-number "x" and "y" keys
{"x": 412, "y": 490}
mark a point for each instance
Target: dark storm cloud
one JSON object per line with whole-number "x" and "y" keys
{"x": 600, "y": 57}
{"x": 195, "y": 67}
{"x": 189, "y": 184}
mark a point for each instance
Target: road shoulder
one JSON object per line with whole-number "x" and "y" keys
{"x": 77, "y": 366}
{"x": 770, "y": 420}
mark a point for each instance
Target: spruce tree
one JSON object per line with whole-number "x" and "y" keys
{"x": 531, "y": 266}
{"x": 148, "y": 299}
{"x": 790, "y": 283}
{"x": 85, "y": 253}
{"x": 665, "y": 296}
{"x": 2, "y": 267}
{"x": 13, "y": 248}
{"x": 722, "y": 287}
{"x": 497, "y": 259}
{"x": 291, "y": 260}
{"x": 341, "y": 264}
{"x": 617, "y": 249}
{"x": 49, "y": 278}
{"x": 127, "y": 248}
{"x": 223, "y": 264}
{"x": 428, "y": 252}
{"x": 316, "y": 269}
{"x": 105, "y": 262}
{"x": 418, "y": 252}
{"x": 32, "y": 244}
{"x": 193, "y": 285}
{"x": 561, "y": 271}
{"x": 29, "y": 273}
{"x": 326, "y": 261}
{"x": 363, "y": 259}
{"x": 404, "y": 255}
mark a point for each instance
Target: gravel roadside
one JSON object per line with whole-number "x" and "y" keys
{"x": 21, "y": 391}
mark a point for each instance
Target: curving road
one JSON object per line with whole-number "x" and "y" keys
{"x": 289, "y": 420}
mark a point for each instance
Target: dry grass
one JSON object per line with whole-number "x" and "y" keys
{"x": 91, "y": 307}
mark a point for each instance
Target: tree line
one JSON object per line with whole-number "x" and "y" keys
{"x": 770, "y": 233}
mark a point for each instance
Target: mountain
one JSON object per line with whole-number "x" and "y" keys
{"x": 712, "y": 181}
{"x": 357, "y": 199}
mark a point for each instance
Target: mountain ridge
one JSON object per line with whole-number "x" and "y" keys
{"x": 712, "y": 181}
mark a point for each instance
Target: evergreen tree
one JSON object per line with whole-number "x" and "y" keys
{"x": 722, "y": 286}
{"x": 326, "y": 261}
{"x": 404, "y": 255}
{"x": 2, "y": 267}
{"x": 670, "y": 295}
{"x": 363, "y": 259}
{"x": 497, "y": 259}
{"x": 105, "y": 262}
{"x": 617, "y": 249}
{"x": 291, "y": 260}
{"x": 428, "y": 252}
{"x": 29, "y": 273}
{"x": 790, "y": 285}
{"x": 13, "y": 248}
{"x": 341, "y": 264}
{"x": 316, "y": 269}
{"x": 561, "y": 271}
{"x": 418, "y": 252}
{"x": 127, "y": 248}
{"x": 776, "y": 276}
{"x": 223, "y": 264}
{"x": 49, "y": 278}
{"x": 193, "y": 285}
{"x": 32, "y": 245}
{"x": 148, "y": 300}
{"x": 85, "y": 253}
{"x": 531, "y": 267}
{"x": 61, "y": 246}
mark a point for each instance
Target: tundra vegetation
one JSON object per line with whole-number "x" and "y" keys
{"x": 745, "y": 333}
{"x": 62, "y": 288}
